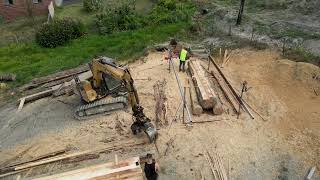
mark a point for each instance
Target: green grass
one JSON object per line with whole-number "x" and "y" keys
{"x": 28, "y": 61}
{"x": 302, "y": 55}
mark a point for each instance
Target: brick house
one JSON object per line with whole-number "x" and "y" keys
{"x": 11, "y": 9}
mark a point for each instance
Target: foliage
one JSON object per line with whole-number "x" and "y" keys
{"x": 126, "y": 18}
{"x": 29, "y": 60}
{"x": 300, "y": 54}
{"x": 59, "y": 32}
{"x": 120, "y": 19}
{"x": 92, "y": 5}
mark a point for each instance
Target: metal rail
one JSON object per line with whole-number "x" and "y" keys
{"x": 231, "y": 88}
{"x": 181, "y": 91}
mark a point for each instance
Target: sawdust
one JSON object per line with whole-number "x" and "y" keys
{"x": 285, "y": 146}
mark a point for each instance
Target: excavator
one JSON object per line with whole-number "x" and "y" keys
{"x": 111, "y": 88}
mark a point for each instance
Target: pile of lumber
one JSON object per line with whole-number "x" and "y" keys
{"x": 55, "y": 84}
{"x": 216, "y": 167}
{"x": 205, "y": 93}
{"x": 125, "y": 169}
{"x": 62, "y": 156}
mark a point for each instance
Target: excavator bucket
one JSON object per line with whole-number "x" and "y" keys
{"x": 150, "y": 131}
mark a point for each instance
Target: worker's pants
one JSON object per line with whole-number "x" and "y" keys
{"x": 181, "y": 65}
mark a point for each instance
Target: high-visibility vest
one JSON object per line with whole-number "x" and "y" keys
{"x": 183, "y": 55}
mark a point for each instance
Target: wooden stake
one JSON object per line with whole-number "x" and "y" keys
{"x": 21, "y": 104}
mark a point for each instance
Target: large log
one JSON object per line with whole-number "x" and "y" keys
{"x": 195, "y": 106}
{"x": 206, "y": 96}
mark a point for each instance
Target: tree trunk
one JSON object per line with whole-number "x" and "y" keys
{"x": 240, "y": 12}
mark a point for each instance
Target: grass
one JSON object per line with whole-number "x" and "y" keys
{"x": 302, "y": 55}
{"x": 28, "y": 61}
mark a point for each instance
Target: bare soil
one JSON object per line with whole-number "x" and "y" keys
{"x": 284, "y": 146}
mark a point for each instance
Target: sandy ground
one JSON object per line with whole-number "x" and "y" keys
{"x": 284, "y": 146}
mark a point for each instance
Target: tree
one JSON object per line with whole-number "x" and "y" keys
{"x": 240, "y": 12}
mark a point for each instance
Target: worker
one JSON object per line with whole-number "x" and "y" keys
{"x": 183, "y": 57}
{"x": 151, "y": 168}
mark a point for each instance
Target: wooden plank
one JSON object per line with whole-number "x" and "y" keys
{"x": 22, "y": 100}
{"x": 51, "y": 154}
{"x": 214, "y": 173}
{"x": 101, "y": 171}
{"x": 38, "y": 95}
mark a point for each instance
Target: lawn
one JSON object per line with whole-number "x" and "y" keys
{"x": 30, "y": 60}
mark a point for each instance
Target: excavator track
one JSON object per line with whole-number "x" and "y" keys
{"x": 103, "y": 106}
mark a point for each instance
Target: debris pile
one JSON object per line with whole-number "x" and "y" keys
{"x": 161, "y": 103}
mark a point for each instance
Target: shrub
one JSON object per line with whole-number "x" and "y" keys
{"x": 125, "y": 18}
{"x": 59, "y": 32}
{"x": 119, "y": 19}
{"x": 92, "y": 5}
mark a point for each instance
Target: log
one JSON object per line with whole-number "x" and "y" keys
{"x": 218, "y": 109}
{"x": 205, "y": 93}
{"x": 7, "y": 77}
{"x": 195, "y": 106}
{"x": 61, "y": 75}
{"x": 55, "y": 77}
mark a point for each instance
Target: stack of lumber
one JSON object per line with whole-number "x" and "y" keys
{"x": 205, "y": 93}
{"x": 216, "y": 167}
{"x": 126, "y": 169}
{"x": 64, "y": 157}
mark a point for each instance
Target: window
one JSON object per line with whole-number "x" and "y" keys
{"x": 37, "y": 1}
{"x": 8, "y": 2}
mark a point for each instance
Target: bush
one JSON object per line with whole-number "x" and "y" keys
{"x": 92, "y": 5}
{"x": 119, "y": 19}
{"x": 125, "y": 18}
{"x": 59, "y": 32}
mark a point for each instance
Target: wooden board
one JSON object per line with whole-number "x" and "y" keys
{"x": 129, "y": 168}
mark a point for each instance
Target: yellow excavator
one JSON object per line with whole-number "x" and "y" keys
{"x": 111, "y": 88}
